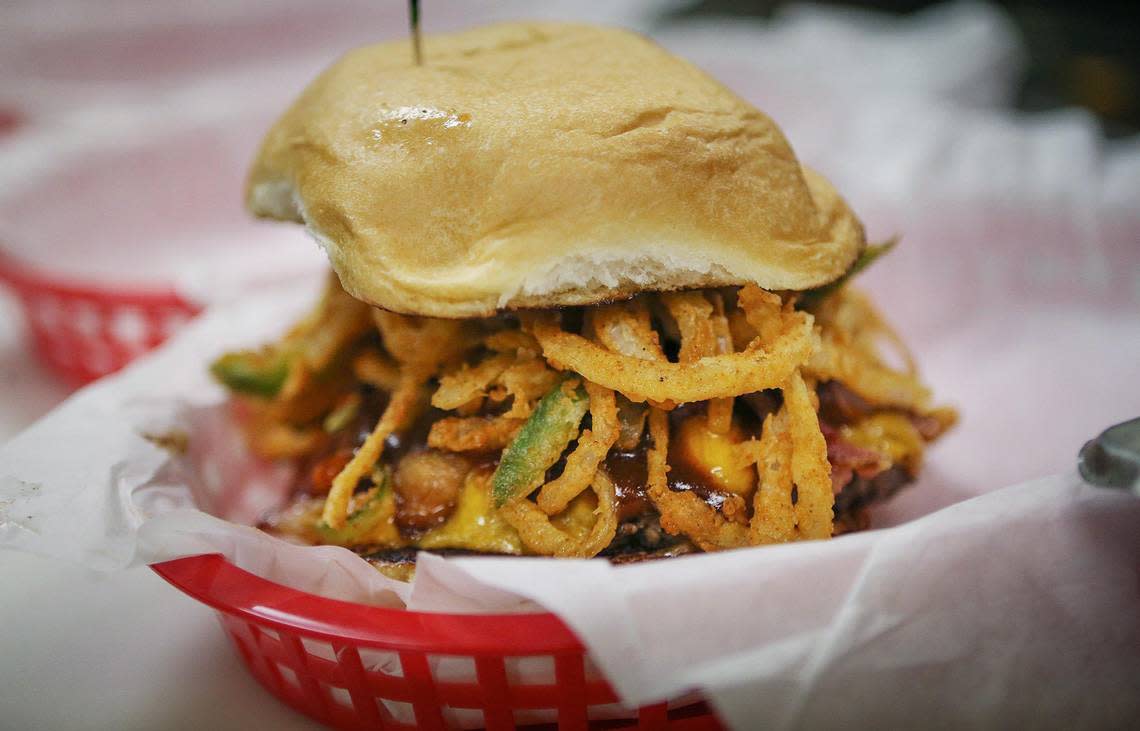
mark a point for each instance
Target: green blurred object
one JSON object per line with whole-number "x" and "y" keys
{"x": 252, "y": 373}
{"x": 868, "y": 257}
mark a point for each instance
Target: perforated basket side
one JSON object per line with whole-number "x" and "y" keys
{"x": 357, "y": 667}
{"x": 82, "y": 331}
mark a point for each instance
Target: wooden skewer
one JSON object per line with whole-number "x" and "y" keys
{"x": 414, "y": 18}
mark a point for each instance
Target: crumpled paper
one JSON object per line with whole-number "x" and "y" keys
{"x": 1020, "y": 603}
{"x": 1017, "y": 283}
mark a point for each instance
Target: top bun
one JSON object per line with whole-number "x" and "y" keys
{"x": 540, "y": 165}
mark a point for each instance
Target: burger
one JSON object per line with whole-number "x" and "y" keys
{"x": 584, "y": 301}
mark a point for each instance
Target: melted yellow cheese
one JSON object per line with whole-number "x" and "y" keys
{"x": 474, "y": 524}
{"x": 385, "y": 533}
{"x": 371, "y": 521}
{"x": 578, "y": 517}
{"x": 716, "y": 456}
{"x": 890, "y": 434}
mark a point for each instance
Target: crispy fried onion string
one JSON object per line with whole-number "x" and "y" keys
{"x": 685, "y": 512}
{"x": 792, "y": 457}
{"x": 540, "y": 536}
{"x": 512, "y": 341}
{"x": 851, "y": 312}
{"x": 704, "y": 332}
{"x": 593, "y": 446}
{"x": 720, "y": 410}
{"x": 339, "y": 319}
{"x": 626, "y": 328}
{"x": 692, "y": 313}
{"x": 525, "y": 382}
{"x": 424, "y": 344}
{"x": 473, "y": 433}
{"x": 756, "y": 368}
{"x": 850, "y": 332}
{"x": 421, "y": 345}
{"x": 834, "y": 361}
{"x": 469, "y": 382}
{"x": 397, "y": 415}
{"x": 761, "y": 343}
{"x": 520, "y": 375}
{"x": 631, "y": 423}
{"x": 811, "y": 472}
{"x": 773, "y": 515}
{"x": 376, "y": 370}
{"x": 763, "y": 311}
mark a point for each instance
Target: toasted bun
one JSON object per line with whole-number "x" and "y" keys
{"x": 538, "y": 165}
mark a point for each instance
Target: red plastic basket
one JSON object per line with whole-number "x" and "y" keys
{"x": 353, "y": 666}
{"x": 83, "y": 331}
{"x": 347, "y": 665}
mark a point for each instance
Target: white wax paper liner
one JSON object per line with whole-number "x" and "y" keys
{"x": 1025, "y": 582}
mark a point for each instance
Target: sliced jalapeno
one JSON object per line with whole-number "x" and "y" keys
{"x": 540, "y": 442}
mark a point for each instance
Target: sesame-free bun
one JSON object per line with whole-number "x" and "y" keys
{"x": 538, "y": 165}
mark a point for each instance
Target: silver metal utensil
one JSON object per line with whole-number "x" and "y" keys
{"x": 1113, "y": 458}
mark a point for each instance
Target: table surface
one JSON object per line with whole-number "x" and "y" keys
{"x": 80, "y": 650}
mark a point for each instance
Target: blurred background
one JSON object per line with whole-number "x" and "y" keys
{"x": 1082, "y": 54}
{"x": 999, "y": 138}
